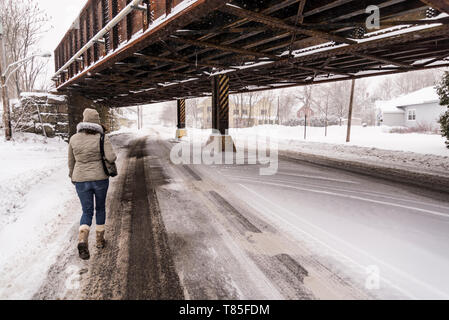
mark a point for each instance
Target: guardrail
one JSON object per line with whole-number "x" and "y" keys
{"x": 100, "y": 29}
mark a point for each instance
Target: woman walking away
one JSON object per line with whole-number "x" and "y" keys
{"x": 89, "y": 177}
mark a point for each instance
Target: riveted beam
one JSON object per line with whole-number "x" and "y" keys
{"x": 181, "y": 110}
{"x": 206, "y": 44}
{"x": 280, "y": 24}
{"x": 220, "y": 103}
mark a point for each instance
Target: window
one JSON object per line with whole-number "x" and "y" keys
{"x": 411, "y": 115}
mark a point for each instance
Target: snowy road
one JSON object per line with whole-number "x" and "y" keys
{"x": 359, "y": 227}
{"x": 225, "y": 232}
{"x": 367, "y": 226}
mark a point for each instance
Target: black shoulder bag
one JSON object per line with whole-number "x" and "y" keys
{"x": 109, "y": 168}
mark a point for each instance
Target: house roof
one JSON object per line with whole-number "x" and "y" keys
{"x": 423, "y": 96}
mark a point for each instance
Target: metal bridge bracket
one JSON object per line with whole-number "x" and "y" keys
{"x": 140, "y": 7}
{"x": 100, "y": 41}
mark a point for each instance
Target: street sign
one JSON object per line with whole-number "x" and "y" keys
{"x": 305, "y": 112}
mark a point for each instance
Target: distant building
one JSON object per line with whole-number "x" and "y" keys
{"x": 421, "y": 107}
{"x": 305, "y": 111}
{"x": 262, "y": 112}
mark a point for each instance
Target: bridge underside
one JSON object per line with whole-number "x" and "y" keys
{"x": 262, "y": 45}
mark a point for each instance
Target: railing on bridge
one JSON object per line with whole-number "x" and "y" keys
{"x": 95, "y": 15}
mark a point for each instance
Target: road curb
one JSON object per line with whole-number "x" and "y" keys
{"x": 429, "y": 181}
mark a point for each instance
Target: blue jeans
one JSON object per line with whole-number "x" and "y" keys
{"x": 86, "y": 192}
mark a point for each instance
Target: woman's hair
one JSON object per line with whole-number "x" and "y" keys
{"x": 88, "y": 131}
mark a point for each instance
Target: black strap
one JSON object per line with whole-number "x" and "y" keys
{"x": 103, "y": 158}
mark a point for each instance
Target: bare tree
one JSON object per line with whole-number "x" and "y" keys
{"x": 364, "y": 104}
{"x": 400, "y": 84}
{"x": 386, "y": 89}
{"x": 266, "y": 101}
{"x": 193, "y": 112}
{"x": 311, "y": 97}
{"x": 413, "y": 81}
{"x": 338, "y": 93}
{"x": 286, "y": 106}
{"x": 169, "y": 114}
{"x": 252, "y": 98}
{"x": 238, "y": 102}
{"x": 24, "y": 24}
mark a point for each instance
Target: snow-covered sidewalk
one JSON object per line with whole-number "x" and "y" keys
{"x": 38, "y": 207}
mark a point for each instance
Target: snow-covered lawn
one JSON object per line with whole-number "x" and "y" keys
{"x": 370, "y": 137}
{"x": 37, "y": 204}
{"x": 425, "y": 153}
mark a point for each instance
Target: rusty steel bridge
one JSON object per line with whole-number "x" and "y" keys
{"x": 134, "y": 52}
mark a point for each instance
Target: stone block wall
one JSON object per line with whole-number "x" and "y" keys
{"x": 57, "y": 114}
{"x": 36, "y": 112}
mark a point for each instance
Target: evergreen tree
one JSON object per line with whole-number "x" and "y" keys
{"x": 443, "y": 92}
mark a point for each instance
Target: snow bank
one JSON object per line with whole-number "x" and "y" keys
{"x": 60, "y": 98}
{"x": 417, "y": 152}
{"x": 367, "y": 137}
{"x": 36, "y": 210}
{"x": 371, "y": 137}
{"x": 24, "y": 162}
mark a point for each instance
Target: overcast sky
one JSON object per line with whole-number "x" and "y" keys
{"x": 62, "y": 13}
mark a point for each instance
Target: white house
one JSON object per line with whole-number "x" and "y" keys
{"x": 421, "y": 107}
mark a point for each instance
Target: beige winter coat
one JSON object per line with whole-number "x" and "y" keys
{"x": 84, "y": 152}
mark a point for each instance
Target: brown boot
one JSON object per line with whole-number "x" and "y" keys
{"x": 101, "y": 242}
{"x": 83, "y": 242}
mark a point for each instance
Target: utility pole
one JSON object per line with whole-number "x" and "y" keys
{"x": 305, "y": 126}
{"x": 6, "y": 111}
{"x": 279, "y": 110}
{"x": 139, "y": 118}
{"x": 327, "y": 113}
{"x": 351, "y": 103}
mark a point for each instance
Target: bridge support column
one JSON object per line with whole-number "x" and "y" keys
{"x": 76, "y": 106}
{"x": 181, "y": 132}
{"x": 220, "y": 113}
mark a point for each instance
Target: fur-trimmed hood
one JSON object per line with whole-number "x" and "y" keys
{"x": 89, "y": 126}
